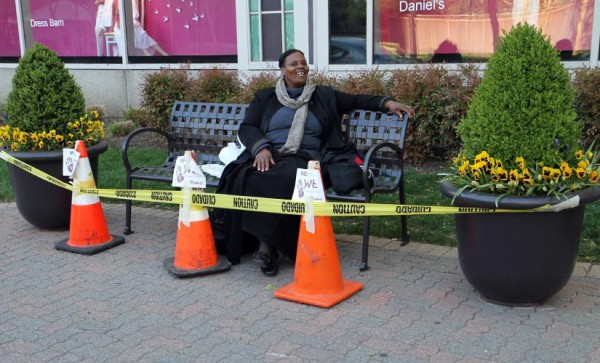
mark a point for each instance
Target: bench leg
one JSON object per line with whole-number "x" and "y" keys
{"x": 127, "y": 230}
{"x": 403, "y": 219}
{"x": 364, "y": 265}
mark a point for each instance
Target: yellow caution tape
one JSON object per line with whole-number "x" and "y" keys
{"x": 256, "y": 204}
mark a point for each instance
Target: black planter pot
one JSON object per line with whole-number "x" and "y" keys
{"x": 45, "y": 205}
{"x": 518, "y": 258}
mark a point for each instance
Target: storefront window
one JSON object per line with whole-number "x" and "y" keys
{"x": 271, "y": 28}
{"x": 9, "y": 31}
{"x": 348, "y": 32}
{"x": 460, "y": 31}
{"x": 75, "y": 28}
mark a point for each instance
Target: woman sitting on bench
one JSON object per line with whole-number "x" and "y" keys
{"x": 284, "y": 128}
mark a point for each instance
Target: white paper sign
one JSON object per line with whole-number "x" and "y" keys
{"x": 309, "y": 186}
{"x": 188, "y": 174}
{"x": 70, "y": 158}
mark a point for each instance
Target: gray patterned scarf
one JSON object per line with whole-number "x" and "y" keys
{"x": 296, "y": 133}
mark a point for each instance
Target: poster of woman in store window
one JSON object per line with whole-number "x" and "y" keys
{"x": 142, "y": 41}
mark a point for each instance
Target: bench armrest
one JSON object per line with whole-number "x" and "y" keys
{"x": 135, "y": 133}
{"x": 369, "y": 164}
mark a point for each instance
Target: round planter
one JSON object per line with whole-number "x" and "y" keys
{"x": 43, "y": 204}
{"x": 517, "y": 259}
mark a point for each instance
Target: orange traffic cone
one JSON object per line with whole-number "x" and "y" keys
{"x": 88, "y": 232}
{"x": 195, "y": 251}
{"x": 318, "y": 275}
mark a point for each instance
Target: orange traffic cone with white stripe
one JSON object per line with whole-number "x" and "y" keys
{"x": 195, "y": 250}
{"x": 318, "y": 276}
{"x": 88, "y": 233}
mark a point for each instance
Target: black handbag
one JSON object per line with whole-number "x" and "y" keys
{"x": 343, "y": 170}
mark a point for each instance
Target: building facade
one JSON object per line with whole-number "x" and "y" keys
{"x": 109, "y": 45}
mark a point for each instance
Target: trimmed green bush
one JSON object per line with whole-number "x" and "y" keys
{"x": 524, "y": 105}
{"x": 44, "y": 94}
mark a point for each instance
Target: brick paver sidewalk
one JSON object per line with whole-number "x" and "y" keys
{"x": 123, "y": 306}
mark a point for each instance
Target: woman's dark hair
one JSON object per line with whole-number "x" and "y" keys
{"x": 285, "y": 54}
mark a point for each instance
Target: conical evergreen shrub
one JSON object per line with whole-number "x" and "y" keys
{"x": 44, "y": 94}
{"x": 524, "y": 104}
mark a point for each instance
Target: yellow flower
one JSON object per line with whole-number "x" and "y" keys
{"x": 546, "y": 172}
{"x": 495, "y": 176}
{"x": 521, "y": 162}
{"x": 527, "y": 178}
{"x": 581, "y": 173}
{"x": 513, "y": 176}
{"x": 594, "y": 176}
{"x": 502, "y": 173}
{"x": 567, "y": 172}
{"x": 579, "y": 154}
{"x": 582, "y": 164}
{"x": 482, "y": 156}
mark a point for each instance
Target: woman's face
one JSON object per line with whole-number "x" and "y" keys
{"x": 295, "y": 70}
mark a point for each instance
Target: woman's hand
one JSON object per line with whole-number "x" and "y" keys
{"x": 398, "y": 108}
{"x": 263, "y": 160}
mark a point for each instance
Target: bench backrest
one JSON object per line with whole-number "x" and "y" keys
{"x": 204, "y": 127}
{"x": 208, "y": 127}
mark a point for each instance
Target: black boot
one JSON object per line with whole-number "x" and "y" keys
{"x": 268, "y": 258}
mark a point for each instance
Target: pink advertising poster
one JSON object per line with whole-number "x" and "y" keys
{"x": 9, "y": 31}
{"x": 430, "y": 27}
{"x": 161, "y": 27}
{"x": 192, "y": 27}
{"x": 65, "y": 26}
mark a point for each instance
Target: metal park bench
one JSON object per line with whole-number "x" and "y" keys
{"x": 207, "y": 128}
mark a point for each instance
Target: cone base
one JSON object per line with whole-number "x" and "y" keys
{"x": 90, "y": 250}
{"x": 324, "y": 300}
{"x": 223, "y": 264}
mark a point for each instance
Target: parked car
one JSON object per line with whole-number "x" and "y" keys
{"x": 353, "y": 50}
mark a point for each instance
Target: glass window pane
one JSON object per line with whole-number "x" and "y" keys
{"x": 176, "y": 28}
{"x": 271, "y": 5}
{"x": 253, "y": 6}
{"x": 204, "y": 27}
{"x": 289, "y": 5}
{"x": 271, "y": 37}
{"x": 289, "y": 31}
{"x": 9, "y": 31}
{"x": 254, "y": 38}
{"x": 466, "y": 31}
{"x": 348, "y": 32}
